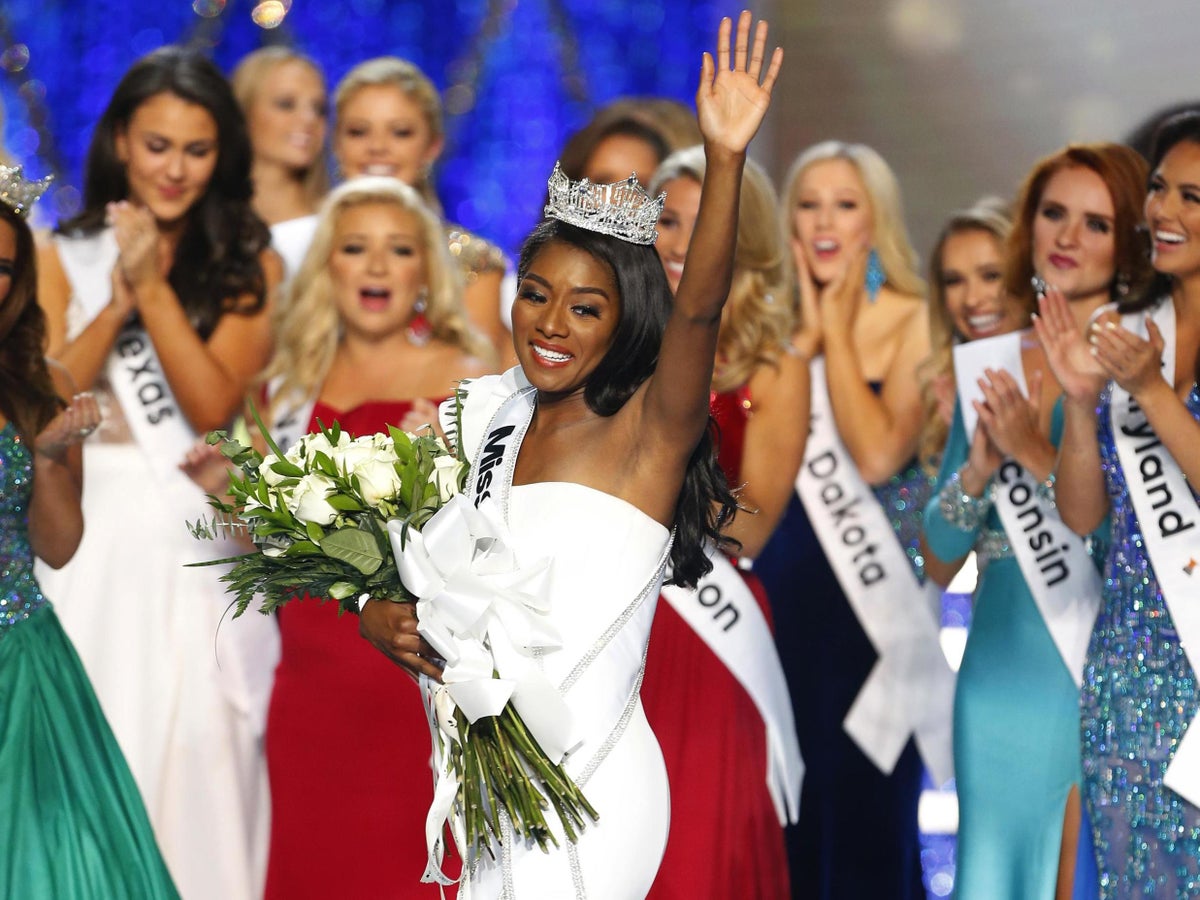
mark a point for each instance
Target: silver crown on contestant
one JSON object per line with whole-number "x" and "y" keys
{"x": 621, "y": 209}
{"x": 19, "y": 194}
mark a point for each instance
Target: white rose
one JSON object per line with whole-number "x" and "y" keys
{"x": 446, "y": 470}
{"x": 307, "y": 502}
{"x": 269, "y": 475}
{"x": 354, "y": 454}
{"x": 378, "y": 480}
{"x": 315, "y": 443}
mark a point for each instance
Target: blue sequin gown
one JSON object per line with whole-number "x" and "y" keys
{"x": 857, "y": 837}
{"x": 1016, "y": 717}
{"x": 72, "y": 824}
{"x": 1139, "y": 696}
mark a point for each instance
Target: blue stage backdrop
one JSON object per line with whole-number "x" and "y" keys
{"x": 517, "y": 76}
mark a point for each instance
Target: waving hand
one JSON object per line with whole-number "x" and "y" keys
{"x": 730, "y": 102}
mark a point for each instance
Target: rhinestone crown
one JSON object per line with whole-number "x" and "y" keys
{"x": 622, "y": 209}
{"x": 19, "y": 194}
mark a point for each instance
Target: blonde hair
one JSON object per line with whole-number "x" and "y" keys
{"x": 758, "y": 320}
{"x": 990, "y": 216}
{"x": 306, "y": 320}
{"x": 392, "y": 71}
{"x": 246, "y": 80}
{"x": 892, "y": 243}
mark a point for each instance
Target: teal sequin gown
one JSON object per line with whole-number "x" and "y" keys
{"x": 1139, "y": 697}
{"x": 1016, "y": 718}
{"x": 72, "y": 823}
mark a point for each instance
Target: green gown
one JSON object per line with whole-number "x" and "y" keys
{"x": 1016, "y": 718}
{"x": 72, "y": 824}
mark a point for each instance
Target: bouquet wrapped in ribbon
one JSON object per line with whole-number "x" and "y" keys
{"x": 383, "y": 516}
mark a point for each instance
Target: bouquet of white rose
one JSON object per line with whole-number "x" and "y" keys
{"x": 328, "y": 517}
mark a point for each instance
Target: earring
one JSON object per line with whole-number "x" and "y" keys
{"x": 1040, "y": 285}
{"x": 418, "y": 329}
{"x": 875, "y": 275}
{"x": 1121, "y": 285}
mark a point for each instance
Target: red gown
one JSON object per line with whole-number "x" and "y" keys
{"x": 347, "y": 749}
{"x": 725, "y": 839}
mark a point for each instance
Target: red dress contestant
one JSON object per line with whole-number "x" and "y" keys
{"x": 725, "y": 839}
{"x": 347, "y": 746}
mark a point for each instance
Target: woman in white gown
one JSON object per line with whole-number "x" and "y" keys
{"x": 598, "y": 456}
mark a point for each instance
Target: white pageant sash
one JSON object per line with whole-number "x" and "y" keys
{"x": 910, "y": 691}
{"x": 289, "y": 421}
{"x": 724, "y": 613}
{"x": 1053, "y": 559}
{"x": 1168, "y": 514}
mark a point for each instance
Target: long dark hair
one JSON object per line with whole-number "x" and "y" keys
{"x": 216, "y": 265}
{"x": 27, "y": 395}
{"x": 706, "y": 503}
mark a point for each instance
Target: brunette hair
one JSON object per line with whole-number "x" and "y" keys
{"x": 27, "y": 393}
{"x": 706, "y": 503}
{"x": 1124, "y": 173}
{"x": 216, "y": 269}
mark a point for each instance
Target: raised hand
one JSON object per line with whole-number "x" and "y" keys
{"x": 731, "y": 103}
{"x": 1067, "y": 351}
{"x": 1132, "y": 362}
{"x": 71, "y": 426}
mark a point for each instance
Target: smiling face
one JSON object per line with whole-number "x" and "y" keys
{"x": 564, "y": 319}
{"x": 1074, "y": 247}
{"x": 382, "y": 131}
{"x": 832, "y": 217}
{"x": 169, "y": 151}
{"x": 1173, "y": 211}
{"x": 972, "y": 281}
{"x": 675, "y": 226}
{"x": 286, "y": 119}
{"x": 377, "y": 268}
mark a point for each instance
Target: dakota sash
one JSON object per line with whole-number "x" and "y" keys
{"x": 910, "y": 690}
{"x": 1168, "y": 514}
{"x": 133, "y": 369}
{"x": 724, "y": 613}
{"x": 1053, "y": 559}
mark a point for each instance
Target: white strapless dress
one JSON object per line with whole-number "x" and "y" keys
{"x": 608, "y": 567}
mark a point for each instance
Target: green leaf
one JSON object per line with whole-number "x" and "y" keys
{"x": 356, "y": 547}
{"x": 315, "y": 533}
{"x": 343, "y": 503}
{"x": 262, "y": 429}
{"x": 340, "y": 590}
{"x": 303, "y": 548}
{"x": 287, "y": 469}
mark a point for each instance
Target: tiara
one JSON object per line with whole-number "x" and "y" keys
{"x": 19, "y": 194}
{"x": 621, "y": 209}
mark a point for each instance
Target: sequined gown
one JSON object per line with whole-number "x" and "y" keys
{"x": 347, "y": 748}
{"x": 72, "y": 823}
{"x": 725, "y": 838}
{"x": 1016, "y": 708}
{"x": 857, "y": 835}
{"x": 1139, "y": 696}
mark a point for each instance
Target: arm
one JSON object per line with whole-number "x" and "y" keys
{"x": 55, "y": 514}
{"x": 880, "y": 432}
{"x": 952, "y": 523}
{"x": 1079, "y": 479}
{"x": 773, "y": 450}
{"x": 83, "y": 357}
{"x": 731, "y": 105}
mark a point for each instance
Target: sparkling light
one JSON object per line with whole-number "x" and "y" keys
{"x": 269, "y": 14}
{"x": 15, "y": 58}
{"x": 209, "y": 9}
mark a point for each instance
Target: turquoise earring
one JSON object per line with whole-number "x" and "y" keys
{"x": 875, "y": 275}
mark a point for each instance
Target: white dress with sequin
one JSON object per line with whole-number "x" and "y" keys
{"x": 608, "y": 563}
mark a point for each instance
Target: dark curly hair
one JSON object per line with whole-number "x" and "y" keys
{"x": 706, "y": 503}
{"x": 27, "y": 394}
{"x": 216, "y": 265}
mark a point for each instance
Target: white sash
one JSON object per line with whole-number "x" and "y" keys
{"x": 724, "y": 613}
{"x": 911, "y": 688}
{"x": 1053, "y": 559}
{"x": 1168, "y": 515}
{"x": 133, "y": 368}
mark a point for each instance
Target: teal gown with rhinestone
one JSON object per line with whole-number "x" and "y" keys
{"x": 1016, "y": 717}
{"x": 72, "y": 823}
{"x": 1139, "y": 697}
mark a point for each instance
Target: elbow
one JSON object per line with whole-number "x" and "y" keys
{"x": 877, "y": 470}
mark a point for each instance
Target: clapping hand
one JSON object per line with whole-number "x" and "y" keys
{"x": 144, "y": 256}
{"x": 1132, "y": 362}
{"x": 1012, "y": 422}
{"x": 71, "y": 426}
{"x": 1067, "y": 351}
{"x": 730, "y": 103}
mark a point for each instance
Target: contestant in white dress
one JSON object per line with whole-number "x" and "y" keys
{"x": 599, "y": 457}
{"x": 167, "y": 328}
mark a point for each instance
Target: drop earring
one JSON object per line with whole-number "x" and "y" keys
{"x": 418, "y": 330}
{"x": 876, "y": 277}
{"x": 1040, "y": 286}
